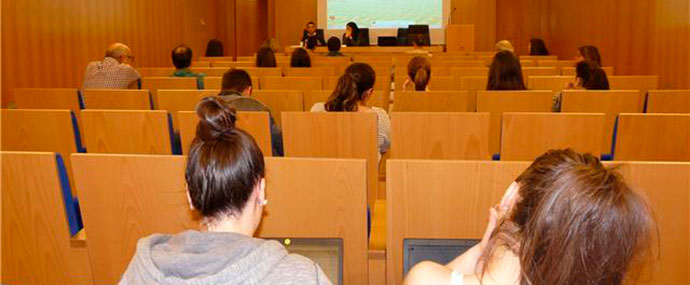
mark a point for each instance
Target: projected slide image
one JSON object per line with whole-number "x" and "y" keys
{"x": 385, "y": 13}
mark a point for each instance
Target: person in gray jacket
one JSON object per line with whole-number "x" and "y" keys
{"x": 226, "y": 185}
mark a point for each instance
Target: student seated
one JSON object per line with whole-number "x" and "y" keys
{"x": 537, "y": 47}
{"x": 590, "y": 54}
{"x": 182, "y": 60}
{"x": 334, "y": 47}
{"x": 351, "y": 35}
{"x": 566, "y": 220}
{"x": 311, "y": 36}
{"x": 265, "y": 57}
{"x": 354, "y": 89}
{"x": 504, "y": 45}
{"x": 418, "y": 74}
{"x": 236, "y": 89}
{"x": 300, "y": 58}
{"x": 114, "y": 71}
{"x": 505, "y": 72}
{"x": 586, "y": 77}
{"x": 214, "y": 48}
{"x": 225, "y": 184}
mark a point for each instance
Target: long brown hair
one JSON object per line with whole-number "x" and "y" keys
{"x": 590, "y": 54}
{"x": 505, "y": 72}
{"x": 576, "y": 222}
{"x": 266, "y": 58}
{"x": 358, "y": 78}
{"x": 224, "y": 163}
{"x": 419, "y": 70}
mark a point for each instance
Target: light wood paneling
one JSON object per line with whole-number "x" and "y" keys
{"x": 280, "y": 101}
{"x": 526, "y": 136}
{"x": 124, "y": 198}
{"x": 472, "y": 85}
{"x": 431, "y": 101}
{"x": 257, "y": 124}
{"x": 611, "y": 103}
{"x": 668, "y": 101}
{"x": 440, "y": 136}
{"x": 35, "y": 236}
{"x": 117, "y": 99}
{"x": 292, "y": 183}
{"x": 498, "y": 102}
{"x": 180, "y": 100}
{"x": 553, "y": 83}
{"x": 40, "y": 130}
{"x": 653, "y": 137}
{"x": 143, "y": 132}
{"x": 335, "y": 135}
{"x": 291, "y": 83}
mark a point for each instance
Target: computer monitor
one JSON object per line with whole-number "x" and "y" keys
{"x": 364, "y": 37}
{"x": 327, "y": 253}
{"x": 402, "y": 37}
{"x": 386, "y": 41}
{"x": 414, "y": 31}
{"x": 438, "y": 250}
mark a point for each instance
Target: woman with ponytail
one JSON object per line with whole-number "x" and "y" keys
{"x": 418, "y": 73}
{"x": 352, "y": 93}
{"x": 226, "y": 186}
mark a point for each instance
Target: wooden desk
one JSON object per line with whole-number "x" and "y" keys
{"x": 370, "y": 49}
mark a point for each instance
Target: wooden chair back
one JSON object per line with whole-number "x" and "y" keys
{"x": 668, "y": 101}
{"x": 553, "y": 83}
{"x": 181, "y": 100}
{"x": 280, "y": 101}
{"x": 291, "y": 83}
{"x": 110, "y": 99}
{"x": 653, "y": 137}
{"x": 257, "y": 124}
{"x": 127, "y": 131}
{"x": 473, "y": 84}
{"x": 570, "y": 71}
{"x": 156, "y": 71}
{"x": 431, "y": 101}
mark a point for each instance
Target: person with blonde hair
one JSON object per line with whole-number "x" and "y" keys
{"x": 504, "y": 45}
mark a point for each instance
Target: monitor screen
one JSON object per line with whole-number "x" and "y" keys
{"x": 327, "y": 253}
{"x": 438, "y": 250}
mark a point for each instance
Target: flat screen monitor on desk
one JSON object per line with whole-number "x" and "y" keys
{"x": 440, "y": 251}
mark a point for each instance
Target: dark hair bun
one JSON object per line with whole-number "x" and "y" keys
{"x": 216, "y": 118}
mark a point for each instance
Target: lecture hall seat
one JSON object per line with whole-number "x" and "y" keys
{"x": 128, "y": 131}
{"x": 431, "y": 101}
{"x": 652, "y": 137}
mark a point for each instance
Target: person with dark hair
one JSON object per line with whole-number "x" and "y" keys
{"x": 352, "y": 93}
{"x": 587, "y": 77}
{"x": 265, "y": 57}
{"x": 505, "y": 72}
{"x": 182, "y": 60}
{"x": 418, "y": 73}
{"x": 537, "y": 47}
{"x": 590, "y": 54}
{"x": 334, "y": 47}
{"x": 114, "y": 71}
{"x": 300, "y": 58}
{"x": 567, "y": 219}
{"x": 351, "y": 35}
{"x": 312, "y": 36}
{"x": 214, "y": 48}
{"x": 236, "y": 89}
{"x": 226, "y": 185}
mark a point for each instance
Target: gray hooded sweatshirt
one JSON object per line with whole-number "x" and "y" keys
{"x": 194, "y": 257}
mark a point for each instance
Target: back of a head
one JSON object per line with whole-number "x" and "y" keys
{"x": 272, "y": 43}
{"x": 575, "y": 222}
{"x": 505, "y": 72}
{"x": 265, "y": 57}
{"x": 236, "y": 80}
{"x": 351, "y": 88}
{"x": 224, "y": 163}
{"x": 504, "y": 45}
{"x": 419, "y": 71}
{"x": 591, "y": 54}
{"x": 214, "y": 48}
{"x": 300, "y": 58}
{"x": 116, "y": 51}
{"x": 537, "y": 47}
{"x": 333, "y": 44}
{"x": 182, "y": 57}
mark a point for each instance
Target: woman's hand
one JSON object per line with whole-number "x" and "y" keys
{"x": 498, "y": 211}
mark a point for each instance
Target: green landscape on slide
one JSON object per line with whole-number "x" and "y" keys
{"x": 384, "y": 13}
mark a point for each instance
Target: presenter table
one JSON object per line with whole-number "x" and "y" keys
{"x": 371, "y": 49}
